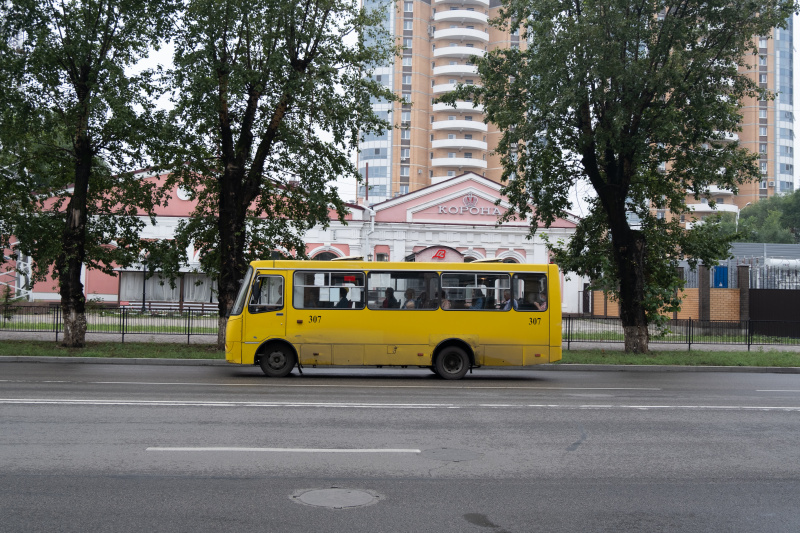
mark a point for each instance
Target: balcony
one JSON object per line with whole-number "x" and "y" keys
{"x": 443, "y": 88}
{"x": 460, "y": 52}
{"x": 705, "y": 209}
{"x": 462, "y": 16}
{"x": 460, "y": 125}
{"x": 461, "y": 107}
{"x": 462, "y": 34}
{"x": 455, "y": 70}
{"x": 482, "y": 3}
{"x": 460, "y": 162}
{"x": 716, "y": 191}
{"x": 460, "y": 144}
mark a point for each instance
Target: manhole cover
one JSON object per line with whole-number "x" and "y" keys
{"x": 335, "y": 498}
{"x": 451, "y": 454}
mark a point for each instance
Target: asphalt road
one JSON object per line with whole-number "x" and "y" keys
{"x": 189, "y": 448}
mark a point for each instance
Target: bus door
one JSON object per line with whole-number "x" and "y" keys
{"x": 266, "y": 311}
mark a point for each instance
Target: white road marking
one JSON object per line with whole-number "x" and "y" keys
{"x": 352, "y": 405}
{"x": 282, "y": 450}
{"x": 777, "y": 390}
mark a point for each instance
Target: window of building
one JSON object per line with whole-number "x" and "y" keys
{"x": 407, "y": 61}
{"x": 762, "y": 148}
{"x": 407, "y": 43}
{"x": 468, "y": 136}
{"x": 762, "y": 131}
{"x": 469, "y": 82}
{"x": 451, "y": 135}
{"x": 787, "y": 168}
{"x": 762, "y": 78}
{"x": 405, "y": 171}
{"x": 468, "y": 117}
{"x": 451, "y": 117}
{"x": 762, "y": 60}
{"x": 405, "y": 153}
{"x": 787, "y": 150}
{"x": 451, "y": 81}
{"x": 406, "y": 79}
{"x": 406, "y": 96}
{"x": 470, "y": 45}
{"x": 408, "y": 7}
{"x": 408, "y": 24}
{"x": 763, "y": 167}
{"x": 403, "y": 190}
{"x": 451, "y": 155}
{"x": 451, "y": 173}
{"x": 405, "y": 116}
{"x": 405, "y": 134}
{"x": 762, "y": 42}
{"x": 762, "y": 113}
{"x": 468, "y": 155}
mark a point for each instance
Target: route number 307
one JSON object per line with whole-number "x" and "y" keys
{"x": 534, "y": 321}
{"x": 315, "y": 319}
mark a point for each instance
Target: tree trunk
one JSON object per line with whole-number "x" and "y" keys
{"x": 629, "y": 254}
{"x": 69, "y": 263}
{"x": 232, "y": 233}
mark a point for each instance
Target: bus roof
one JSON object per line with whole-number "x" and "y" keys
{"x": 392, "y": 265}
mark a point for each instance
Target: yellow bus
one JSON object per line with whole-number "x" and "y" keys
{"x": 449, "y": 317}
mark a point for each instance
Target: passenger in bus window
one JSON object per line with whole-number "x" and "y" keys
{"x": 343, "y": 302}
{"x": 541, "y": 302}
{"x": 478, "y": 300}
{"x": 445, "y": 303}
{"x": 409, "y": 296}
{"x": 422, "y": 301}
{"x": 508, "y": 301}
{"x": 390, "y": 302}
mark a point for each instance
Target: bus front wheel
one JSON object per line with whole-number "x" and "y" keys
{"x": 277, "y": 361}
{"x": 452, "y": 363}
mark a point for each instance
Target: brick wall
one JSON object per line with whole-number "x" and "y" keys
{"x": 724, "y": 304}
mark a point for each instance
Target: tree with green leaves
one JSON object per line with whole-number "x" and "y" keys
{"x": 636, "y": 98}
{"x": 75, "y": 122}
{"x": 271, "y": 97}
{"x": 775, "y": 219}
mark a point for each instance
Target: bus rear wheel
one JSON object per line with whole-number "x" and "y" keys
{"x": 451, "y": 363}
{"x": 277, "y": 361}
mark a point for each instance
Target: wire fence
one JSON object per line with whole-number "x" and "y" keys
{"x": 126, "y": 321}
{"x": 122, "y": 321}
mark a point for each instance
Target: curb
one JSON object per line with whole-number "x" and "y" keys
{"x": 547, "y": 367}
{"x": 111, "y": 360}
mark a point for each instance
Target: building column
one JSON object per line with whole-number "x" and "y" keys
{"x": 743, "y": 273}
{"x": 704, "y": 293}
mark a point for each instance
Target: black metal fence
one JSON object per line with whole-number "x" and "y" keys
{"x": 126, "y": 321}
{"x": 689, "y": 332}
{"x": 122, "y": 321}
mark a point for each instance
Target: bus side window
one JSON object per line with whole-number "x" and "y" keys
{"x": 267, "y": 294}
{"x": 530, "y": 290}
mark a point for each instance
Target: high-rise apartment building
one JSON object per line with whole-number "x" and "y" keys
{"x": 767, "y": 128}
{"x": 434, "y": 141}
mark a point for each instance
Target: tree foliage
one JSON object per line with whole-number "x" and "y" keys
{"x": 775, "y": 219}
{"x": 270, "y": 98}
{"x": 639, "y": 100}
{"x": 74, "y": 123}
